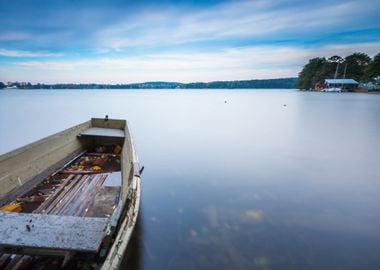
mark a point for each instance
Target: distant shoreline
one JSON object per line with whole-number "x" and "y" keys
{"x": 281, "y": 83}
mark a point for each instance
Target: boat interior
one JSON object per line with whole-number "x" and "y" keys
{"x": 71, "y": 204}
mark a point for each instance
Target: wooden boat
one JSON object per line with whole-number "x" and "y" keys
{"x": 70, "y": 199}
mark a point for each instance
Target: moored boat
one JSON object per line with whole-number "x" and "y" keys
{"x": 70, "y": 200}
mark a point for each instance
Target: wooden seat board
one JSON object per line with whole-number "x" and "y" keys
{"x": 41, "y": 231}
{"x": 104, "y": 132}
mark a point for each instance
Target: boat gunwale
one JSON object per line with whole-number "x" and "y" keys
{"x": 29, "y": 146}
{"x": 126, "y": 225}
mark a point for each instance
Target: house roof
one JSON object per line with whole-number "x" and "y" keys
{"x": 341, "y": 81}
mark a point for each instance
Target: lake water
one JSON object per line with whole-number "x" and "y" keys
{"x": 263, "y": 179}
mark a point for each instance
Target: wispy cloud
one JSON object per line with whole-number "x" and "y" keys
{"x": 17, "y": 53}
{"x": 225, "y": 64}
{"x": 179, "y": 40}
{"x": 233, "y": 20}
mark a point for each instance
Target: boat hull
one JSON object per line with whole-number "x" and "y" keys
{"x": 27, "y": 166}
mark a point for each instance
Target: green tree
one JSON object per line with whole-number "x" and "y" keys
{"x": 373, "y": 70}
{"x": 314, "y": 71}
{"x": 357, "y": 65}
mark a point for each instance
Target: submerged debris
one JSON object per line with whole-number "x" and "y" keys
{"x": 262, "y": 263}
{"x": 254, "y": 214}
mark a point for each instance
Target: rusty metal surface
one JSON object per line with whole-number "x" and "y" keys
{"x": 51, "y": 231}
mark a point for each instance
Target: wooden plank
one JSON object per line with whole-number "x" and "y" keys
{"x": 103, "y": 132}
{"x": 69, "y": 207}
{"x": 70, "y": 195}
{"x": 48, "y": 202}
{"x": 57, "y": 200}
{"x": 110, "y": 123}
{"x": 38, "y": 231}
{"x": 90, "y": 199}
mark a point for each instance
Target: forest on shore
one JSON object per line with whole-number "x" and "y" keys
{"x": 281, "y": 83}
{"x": 357, "y": 66}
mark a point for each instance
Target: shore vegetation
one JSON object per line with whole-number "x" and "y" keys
{"x": 357, "y": 66}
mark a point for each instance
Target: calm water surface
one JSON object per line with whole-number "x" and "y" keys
{"x": 266, "y": 179}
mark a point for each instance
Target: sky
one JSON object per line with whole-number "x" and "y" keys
{"x": 115, "y": 41}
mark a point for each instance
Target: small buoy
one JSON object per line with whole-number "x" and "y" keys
{"x": 284, "y": 105}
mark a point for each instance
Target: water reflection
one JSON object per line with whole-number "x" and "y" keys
{"x": 248, "y": 184}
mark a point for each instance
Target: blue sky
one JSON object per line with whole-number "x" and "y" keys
{"x": 185, "y": 41}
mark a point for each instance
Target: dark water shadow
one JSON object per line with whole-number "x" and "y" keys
{"x": 133, "y": 256}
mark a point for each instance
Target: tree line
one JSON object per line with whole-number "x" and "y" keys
{"x": 357, "y": 66}
{"x": 283, "y": 83}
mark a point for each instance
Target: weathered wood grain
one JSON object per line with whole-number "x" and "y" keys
{"x": 51, "y": 232}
